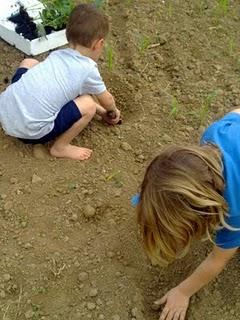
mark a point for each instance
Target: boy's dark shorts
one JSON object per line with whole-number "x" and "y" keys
{"x": 67, "y": 116}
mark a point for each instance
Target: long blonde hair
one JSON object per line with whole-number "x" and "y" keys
{"x": 181, "y": 200}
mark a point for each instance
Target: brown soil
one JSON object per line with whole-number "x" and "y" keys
{"x": 69, "y": 247}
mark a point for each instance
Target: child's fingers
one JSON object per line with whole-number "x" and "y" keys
{"x": 177, "y": 316}
{"x": 164, "y": 314}
{"x": 161, "y": 301}
{"x": 183, "y": 314}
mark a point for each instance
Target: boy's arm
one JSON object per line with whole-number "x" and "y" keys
{"x": 177, "y": 300}
{"x": 107, "y": 103}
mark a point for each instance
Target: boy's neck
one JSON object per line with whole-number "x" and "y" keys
{"x": 84, "y": 51}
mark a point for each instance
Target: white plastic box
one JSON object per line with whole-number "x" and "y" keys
{"x": 33, "y": 47}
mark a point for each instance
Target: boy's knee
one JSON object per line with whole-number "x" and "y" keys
{"x": 28, "y": 63}
{"x": 86, "y": 105}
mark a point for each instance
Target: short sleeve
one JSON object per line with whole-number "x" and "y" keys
{"x": 93, "y": 84}
{"x": 229, "y": 239}
{"x": 225, "y": 133}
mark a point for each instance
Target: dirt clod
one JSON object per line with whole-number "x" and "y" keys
{"x": 36, "y": 179}
{"x": 83, "y": 276}
{"x": 126, "y": 146}
{"x": 89, "y": 211}
{"x": 93, "y": 292}
{"x": 6, "y": 277}
{"x": 71, "y": 229}
{"x": 91, "y": 306}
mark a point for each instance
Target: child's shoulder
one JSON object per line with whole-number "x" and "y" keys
{"x": 73, "y": 55}
{"x": 71, "y": 61}
{"x": 223, "y": 131}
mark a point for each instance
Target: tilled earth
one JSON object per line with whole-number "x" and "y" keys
{"x": 69, "y": 244}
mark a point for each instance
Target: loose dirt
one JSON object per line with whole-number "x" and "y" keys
{"x": 69, "y": 245}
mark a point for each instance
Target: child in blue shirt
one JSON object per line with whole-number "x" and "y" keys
{"x": 52, "y": 99}
{"x": 187, "y": 193}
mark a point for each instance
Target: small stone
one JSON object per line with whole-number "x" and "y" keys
{"x": 117, "y": 193}
{"x": 27, "y": 246}
{"x": 101, "y": 317}
{"x": 23, "y": 224}
{"x": 91, "y": 306}
{"x": 93, "y": 292}
{"x": 116, "y": 317}
{"x": 6, "y": 277}
{"x": 134, "y": 312}
{"x": 137, "y": 314}
{"x": 166, "y": 138}
{"x": 110, "y": 254}
{"x": 83, "y": 276}
{"x": 2, "y": 294}
{"x": 232, "y": 311}
{"x": 74, "y": 217}
{"x": 13, "y": 180}
{"x": 29, "y": 314}
{"x": 89, "y": 211}
{"x": 8, "y": 205}
{"x": 99, "y": 302}
{"x": 126, "y": 146}
{"x": 162, "y": 40}
{"x": 36, "y": 178}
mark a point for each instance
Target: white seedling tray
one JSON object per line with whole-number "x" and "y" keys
{"x": 36, "y": 46}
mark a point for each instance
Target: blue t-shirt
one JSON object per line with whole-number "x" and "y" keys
{"x": 225, "y": 133}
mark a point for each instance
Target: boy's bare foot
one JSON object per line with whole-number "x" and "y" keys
{"x": 70, "y": 152}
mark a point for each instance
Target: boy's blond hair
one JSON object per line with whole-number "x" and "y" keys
{"x": 86, "y": 24}
{"x": 181, "y": 200}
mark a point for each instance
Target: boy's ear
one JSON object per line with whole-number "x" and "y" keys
{"x": 98, "y": 44}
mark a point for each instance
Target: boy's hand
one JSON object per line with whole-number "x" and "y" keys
{"x": 112, "y": 119}
{"x": 176, "y": 305}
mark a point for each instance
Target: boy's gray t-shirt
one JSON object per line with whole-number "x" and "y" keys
{"x": 29, "y": 106}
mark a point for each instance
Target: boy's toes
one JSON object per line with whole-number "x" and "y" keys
{"x": 71, "y": 152}
{"x": 85, "y": 153}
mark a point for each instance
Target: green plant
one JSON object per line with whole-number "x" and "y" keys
{"x": 109, "y": 57}
{"x": 56, "y": 13}
{"x": 99, "y": 3}
{"x": 232, "y": 46}
{"x": 115, "y": 177}
{"x": 41, "y": 30}
{"x": 143, "y": 44}
{"x": 174, "y": 107}
{"x": 205, "y": 107}
{"x": 223, "y": 6}
{"x": 170, "y": 9}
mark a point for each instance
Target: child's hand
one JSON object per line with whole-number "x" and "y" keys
{"x": 176, "y": 304}
{"x": 112, "y": 117}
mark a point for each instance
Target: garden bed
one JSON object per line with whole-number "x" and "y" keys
{"x": 174, "y": 67}
{"x": 43, "y": 43}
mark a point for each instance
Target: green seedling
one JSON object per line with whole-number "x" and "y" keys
{"x": 170, "y": 9}
{"x": 99, "y": 3}
{"x": 113, "y": 175}
{"x": 41, "y": 31}
{"x": 115, "y": 178}
{"x": 174, "y": 108}
{"x": 232, "y": 46}
{"x": 143, "y": 44}
{"x": 56, "y": 13}
{"x": 110, "y": 57}
{"x": 223, "y": 6}
{"x": 205, "y": 107}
